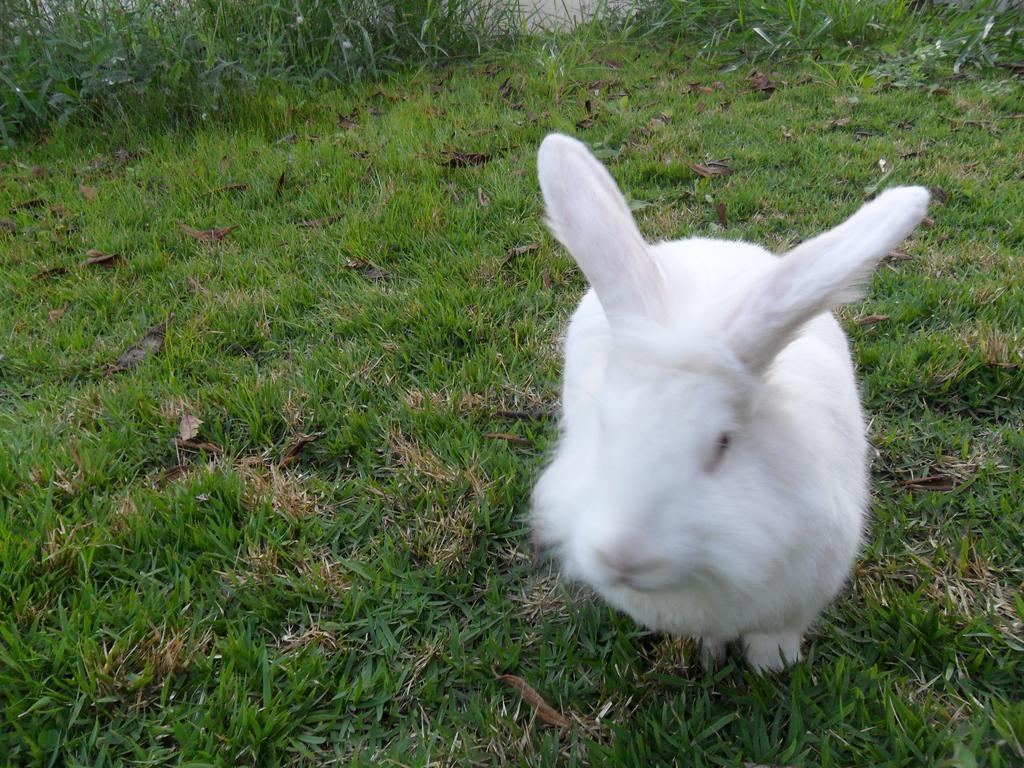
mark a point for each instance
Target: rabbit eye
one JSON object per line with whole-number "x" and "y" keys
{"x": 720, "y": 448}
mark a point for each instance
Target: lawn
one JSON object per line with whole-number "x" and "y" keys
{"x": 274, "y": 390}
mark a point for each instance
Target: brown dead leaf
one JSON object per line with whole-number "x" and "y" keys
{"x": 518, "y": 250}
{"x": 314, "y": 223}
{"x": 197, "y": 446}
{"x": 235, "y": 186}
{"x": 171, "y": 474}
{"x": 939, "y": 194}
{"x": 720, "y": 211}
{"x": 89, "y": 193}
{"x": 52, "y": 272}
{"x": 512, "y": 439}
{"x": 206, "y": 235}
{"x": 871, "y": 319}
{"x": 839, "y": 122}
{"x": 542, "y": 709}
{"x": 193, "y": 285}
{"x": 506, "y": 89}
{"x": 936, "y": 482}
{"x": 188, "y": 427}
{"x": 280, "y": 183}
{"x": 897, "y": 256}
{"x": 699, "y": 88}
{"x": 786, "y": 133}
{"x": 482, "y": 197}
{"x": 711, "y": 169}
{"x": 927, "y": 222}
{"x": 368, "y": 270}
{"x": 454, "y": 159}
{"x": 124, "y": 156}
{"x": 96, "y": 258}
{"x": 58, "y": 313}
{"x": 348, "y": 122}
{"x": 293, "y": 452}
{"x": 150, "y": 344}
{"x": 35, "y": 202}
{"x": 586, "y": 122}
{"x": 760, "y": 82}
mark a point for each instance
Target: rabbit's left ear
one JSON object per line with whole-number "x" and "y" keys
{"x": 590, "y": 217}
{"x": 821, "y": 274}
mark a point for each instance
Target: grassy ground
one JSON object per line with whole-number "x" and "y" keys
{"x": 333, "y": 565}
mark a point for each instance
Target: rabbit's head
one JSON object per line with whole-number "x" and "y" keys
{"x": 662, "y": 457}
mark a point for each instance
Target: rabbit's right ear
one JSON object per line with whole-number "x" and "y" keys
{"x": 590, "y": 217}
{"x": 820, "y": 274}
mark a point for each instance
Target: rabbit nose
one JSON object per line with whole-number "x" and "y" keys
{"x": 628, "y": 565}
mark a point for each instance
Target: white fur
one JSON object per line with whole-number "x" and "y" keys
{"x": 676, "y": 344}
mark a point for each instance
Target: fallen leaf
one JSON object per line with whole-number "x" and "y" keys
{"x": 710, "y": 169}
{"x": 292, "y": 453}
{"x": 35, "y": 202}
{"x": 368, "y": 270}
{"x": 171, "y": 474}
{"x": 87, "y": 192}
{"x": 124, "y": 156}
{"x": 59, "y": 210}
{"x": 927, "y": 222}
{"x": 206, "y": 235}
{"x": 519, "y": 250}
{"x": 38, "y": 172}
{"x": 505, "y": 90}
{"x": 99, "y": 258}
{"x": 760, "y": 82}
{"x": 786, "y": 133}
{"x": 698, "y": 88}
{"x": 455, "y": 159}
{"x": 939, "y": 194}
{"x": 533, "y": 415}
{"x": 150, "y": 344}
{"x": 193, "y": 285}
{"x": 839, "y": 122}
{"x": 239, "y": 186}
{"x": 720, "y": 210}
{"x": 937, "y": 482}
{"x": 482, "y": 197}
{"x": 542, "y": 709}
{"x": 313, "y": 223}
{"x": 52, "y": 272}
{"x": 197, "y": 446}
{"x": 188, "y": 426}
{"x": 586, "y": 122}
{"x": 280, "y": 183}
{"x": 57, "y": 314}
{"x": 871, "y": 319}
{"x": 513, "y": 439}
{"x": 943, "y": 238}
{"x": 348, "y": 122}
{"x": 897, "y": 256}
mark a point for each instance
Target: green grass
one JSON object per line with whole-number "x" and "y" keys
{"x": 167, "y": 605}
{"x": 158, "y": 62}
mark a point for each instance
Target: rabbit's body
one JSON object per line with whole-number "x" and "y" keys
{"x": 711, "y": 476}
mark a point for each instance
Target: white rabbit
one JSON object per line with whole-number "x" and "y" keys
{"x": 711, "y": 478}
